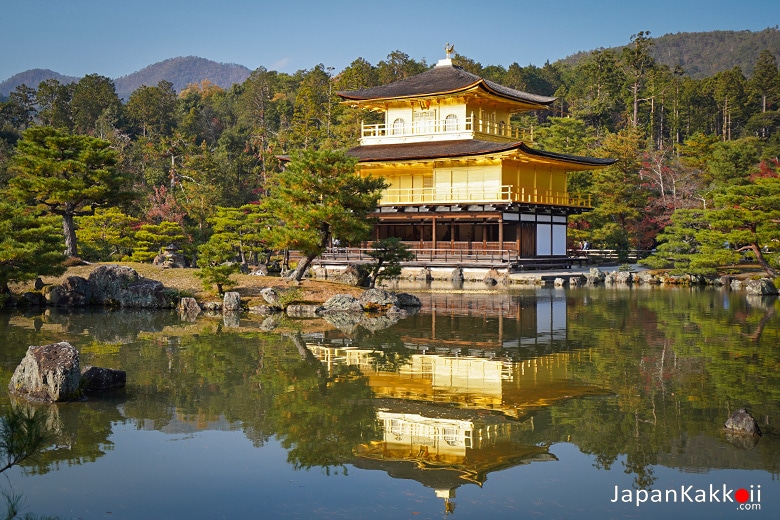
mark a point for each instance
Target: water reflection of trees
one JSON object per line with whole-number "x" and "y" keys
{"x": 673, "y": 366}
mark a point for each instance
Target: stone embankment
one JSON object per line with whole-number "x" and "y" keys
{"x": 570, "y": 278}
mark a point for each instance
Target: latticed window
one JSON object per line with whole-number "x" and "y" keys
{"x": 451, "y": 123}
{"x": 398, "y": 126}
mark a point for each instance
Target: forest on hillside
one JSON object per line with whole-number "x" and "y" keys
{"x": 685, "y": 147}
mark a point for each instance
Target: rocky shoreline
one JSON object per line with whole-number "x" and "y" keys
{"x": 116, "y": 286}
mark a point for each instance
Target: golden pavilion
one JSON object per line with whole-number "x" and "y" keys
{"x": 460, "y": 177}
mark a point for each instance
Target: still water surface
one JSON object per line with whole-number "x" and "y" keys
{"x": 536, "y": 403}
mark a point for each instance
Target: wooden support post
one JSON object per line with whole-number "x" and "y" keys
{"x": 433, "y": 231}
{"x": 501, "y": 233}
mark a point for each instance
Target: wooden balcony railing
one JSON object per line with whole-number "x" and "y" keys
{"x": 444, "y": 127}
{"x": 475, "y": 195}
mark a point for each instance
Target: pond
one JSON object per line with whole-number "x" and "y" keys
{"x": 549, "y": 403}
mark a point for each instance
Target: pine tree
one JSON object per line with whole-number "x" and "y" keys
{"x": 66, "y": 175}
{"x": 319, "y": 196}
{"x": 30, "y": 246}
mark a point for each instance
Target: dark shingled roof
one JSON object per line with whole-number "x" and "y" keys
{"x": 459, "y": 148}
{"x": 441, "y": 79}
{"x": 595, "y": 161}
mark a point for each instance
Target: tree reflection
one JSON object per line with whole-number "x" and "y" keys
{"x": 672, "y": 363}
{"x": 321, "y": 417}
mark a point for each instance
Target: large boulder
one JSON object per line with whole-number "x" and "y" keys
{"x": 260, "y": 270}
{"x": 270, "y": 295}
{"x": 406, "y": 300}
{"x": 231, "y": 302}
{"x": 98, "y": 380}
{"x": 341, "y": 303}
{"x": 456, "y": 276}
{"x": 303, "y": 311}
{"x": 595, "y": 276}
{"x": 121, "y": 286}
{"x": 742, "y": 422}
{"x": 377, "y": 299}
{"x": 189, "y": 309}
{"x": 78, "y": 292}
{"x": 352, "y": 276}
{"x": 618, "y": 277}
{"x": 763, "y": 287}
{"x": 48, "y": 373}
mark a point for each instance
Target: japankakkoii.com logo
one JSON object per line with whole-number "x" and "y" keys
{"x": 746, "y": 499}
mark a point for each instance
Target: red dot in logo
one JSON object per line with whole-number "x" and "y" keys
{"x": 741, "y": 495}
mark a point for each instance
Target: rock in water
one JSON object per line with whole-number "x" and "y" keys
{"x": 742, "y": 422}
{"x": 341, "y": 303}
{"x": 377, "y": 299}
{"x": 231, "y": 301}
{"x": 48, "y": 373}
{"x": 97, "y": 379}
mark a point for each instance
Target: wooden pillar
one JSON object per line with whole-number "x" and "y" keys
{"x": 500, "y": 233}
{"x": 433, "y": 231}
{"x": 452, "y": 234}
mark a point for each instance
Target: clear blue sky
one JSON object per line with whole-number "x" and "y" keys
{"x": 114, "y": 38}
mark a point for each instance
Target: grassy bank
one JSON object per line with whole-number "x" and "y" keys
{"x": 185, "y": 281}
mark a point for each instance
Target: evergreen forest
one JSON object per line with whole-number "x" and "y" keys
{"x": 84, "y": 173}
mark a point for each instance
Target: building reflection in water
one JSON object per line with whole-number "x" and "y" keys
{"x": 455, "y": 405}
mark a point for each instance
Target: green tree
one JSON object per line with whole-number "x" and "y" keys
{"x": 151, "y": 238}
{"x": 619, "y": 201}
{"x": 320, "y": 195}
{"x": 153, "y": 109}
{"x": 733, "y": 162}
{"x": 216, "y": 260}
{"x": 688, "y": 245}
{"x": 765, "y": 81}
{"x": 94, "y": 96}
{"x": 595, "y": 86}
{"x": 565, "y": 135}
{"x": 240, "y": 229}
{"x": 730, "y": 92}
{"x": 748, "y": 216}
{"x": 66, "y": 175}
{"x": 107, "y": 235}
{"x": 54, "y": 107}
{"x": 310, "y": 123}
{"x": 388, "y": 253}
{"x": 745, "y": 219}
{"x": 19, "y": 111}
{"x": 258, "y": 110}
{"x": 638, "y": 64}
{"x": 236, "y": 236}
{"x": 397, "y": 66}
{"x": 30, "y": 246}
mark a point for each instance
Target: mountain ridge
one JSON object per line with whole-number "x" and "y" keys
{"x": 701, "y": 54}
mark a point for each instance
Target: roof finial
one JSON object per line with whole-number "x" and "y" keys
{"x": 449, "y": 49}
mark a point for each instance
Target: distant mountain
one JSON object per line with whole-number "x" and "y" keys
{"x": 179, "y": 71}
{"x": 701, "y": 55}
{"x": 182, "y": 72}
{"x": 32, "y": 78}
{"x": 704, "y": 54}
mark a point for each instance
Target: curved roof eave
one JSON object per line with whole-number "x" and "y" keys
{"x": 468, "y": 148}
{"x": 439, "y": 81}
{"x": 593, "y": 162}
